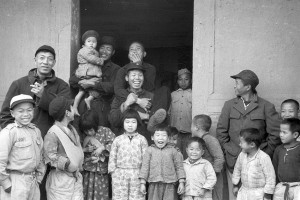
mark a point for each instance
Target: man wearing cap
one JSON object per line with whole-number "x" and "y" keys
{"x": 21, "y": 153}
{"x": 105, "y": 87}
{"x": 42, "y": 84}
{"x": 247, "y": 110}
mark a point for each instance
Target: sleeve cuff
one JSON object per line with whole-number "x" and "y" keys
{"x": 6, "y": 183}
{"x": 61, "y": 162}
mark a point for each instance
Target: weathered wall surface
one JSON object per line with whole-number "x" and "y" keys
{"x": 28, "y": 24}
{"x": 232, "y": 35}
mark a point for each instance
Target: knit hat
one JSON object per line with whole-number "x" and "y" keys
{"x": 21, "y": 98}
{"x": 58, "y": 107}
{"x": 90, "y": 33}
{"x": 248, "y": 77}
{"x": 183, "y": 71}
{"x": 108, "y": 40}
{"x": 45, "y": 48}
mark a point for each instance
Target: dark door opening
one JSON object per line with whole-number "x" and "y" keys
{"x": 165, "y": 27}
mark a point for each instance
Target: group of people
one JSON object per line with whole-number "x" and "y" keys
{"x": 120, "y": 126}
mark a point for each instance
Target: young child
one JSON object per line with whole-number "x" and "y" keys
{"x": 96, "y": 146}
{"x": 21, "y": 162}
{"x": 162, "y": 167}
{"x": 173, "y": 137}
{"x": 253, "y": 169}
{"x": 62, "y": 150}
{"x": 289, "y": 109}
{"x": 125, "y": 159}
{"x": 213, "y": 152}
{"x": 89, "y": 66}
{"x": 286, "y": 161}
{"x": 200, "y": 175}
{"x": 180, "y": 110}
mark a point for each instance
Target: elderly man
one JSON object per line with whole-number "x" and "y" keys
{"x": 104, "y": 86}
{"x": 247, "y": 110}
{"x": 40, "y": 83}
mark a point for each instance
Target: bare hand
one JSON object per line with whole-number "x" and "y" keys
{"x": 180, "y": 188}
{"x": 201, "y": 192}
{"x": 131, "y": 99}
{"x": 37, "y": 89}
{"x": 95, "y": 159}
{"x": 99, "y": 150}
{"x": 135, "y": 58}
{"x": 235, "y": 190}
{"x": 89, "y": 148}
{"x": 144, "y": 103}
{"x": 143, "y": 189}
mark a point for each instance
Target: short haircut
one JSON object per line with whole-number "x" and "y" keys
{"x": 292, "y": 101}
{"x": 131, "y": 113}
{"x": 162, "y": 127}
{"x": 88, "y": 120}
{"x": 252, "y": 135}
{"x": 294, "y": 124}
{"x": 200, "y": 141}
{"x": 138, "y": 42}
{"x": 173, "y": 131}
{"x": 203, "y": 122}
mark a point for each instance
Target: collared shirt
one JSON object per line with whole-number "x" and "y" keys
{"x": 162, "y": 165}
{"x": 20, "y": 150}
{"x": 181, "y": 110}
{"x": 126, "y": 153}
{"x": 199, "y": 175}
{"x": 255, "y": 172}
{"x": 286, "y": 163}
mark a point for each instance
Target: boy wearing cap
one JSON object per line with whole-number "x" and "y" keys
{"x": 105, "y": 86}
{"x": 64, "y": 153}
{"x": 135, "y": 79}
{"x": 42, "y": 85}
{"x": 247, "y": 110}
{"x": 21, "y": 161}
{"x": 181, "y": 109}
{"x": 89, "y": 66}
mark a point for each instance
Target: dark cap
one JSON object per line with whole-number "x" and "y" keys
{"x": 90, "y": 33}
{"x": 108, "y": 40}
{"x": 133, "y": 66}
{"x": 45, "y": 48}
{"x": 58, "y": 107}
{"x": 21, "y": 98}
{"x": 248, "y": 77}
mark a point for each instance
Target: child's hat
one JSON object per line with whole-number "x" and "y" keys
{"x": 132, "y": 66}
{"x": 90, "y": 33}
{"x": 108, "y": 40}
{"x": 21, "y": 98}
{"x": 58, "y": 107}
{"x": 248, "y": 77}
{"x": 45, "y": 48}
{"x": 183, "y": 71}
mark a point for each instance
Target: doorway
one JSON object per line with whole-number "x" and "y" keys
{"x": 165, "y": 27}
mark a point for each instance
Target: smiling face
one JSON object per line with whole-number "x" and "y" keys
{"x": 136, "y": 49}
{"x": 288, "y": 110}
{"x": 23, "y": 113}
{"x": 44, "y": 62}
{"x": 194, "y": 151}
{"x": 160, "y": 138}
{"x": 135, "y": 79}
{"x": 130, "y": 125}
{"x": 106, "y": 51}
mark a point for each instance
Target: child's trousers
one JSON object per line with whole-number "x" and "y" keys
{"x": 162, "y": 191}
{"x": 292, "y": 190}
{"x": 126, "y": 185}
{"x": 24, "y": 186}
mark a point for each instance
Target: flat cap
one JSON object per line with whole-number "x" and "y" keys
{"x": 108, "y": 40}
{"x": 248, "y": 77}
{"x": 45, "y": 48}
{"x": 21, "y": 98}
{"x": 133, "y": 66}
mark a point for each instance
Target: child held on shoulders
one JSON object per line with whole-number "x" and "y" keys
{"x": 180, "y": 110}
{"x": 21, "y": 161}
{"x": 89, "y": 66}
{"x": 162, "y": 167}
{"x": 286, "y": 161}
{"x": 200, "y": 175}
{"x": 253, "y": 169}
{"x": 96, "y": 146}
{"x": 213, "y": 152}
{"x": 125, "y": 160}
